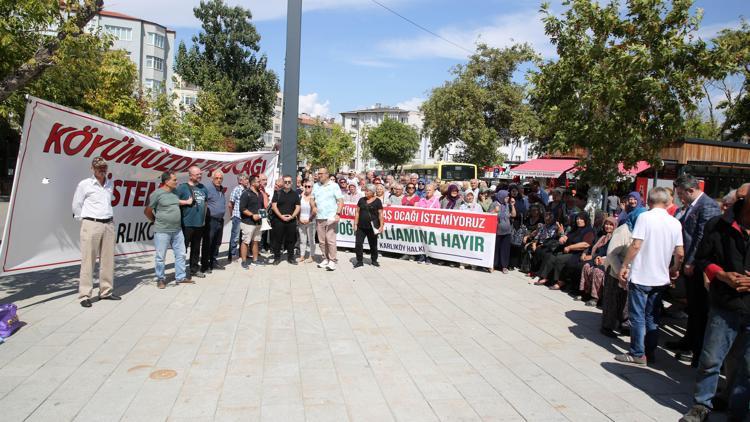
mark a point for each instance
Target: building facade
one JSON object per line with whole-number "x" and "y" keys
{"x": 272, "y": 138}
{"x": 151, "y": 47}
{"x": 185, "y": 94}
{"x": 357, "y": 122}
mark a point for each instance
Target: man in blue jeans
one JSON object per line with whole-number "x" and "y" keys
{"x": 234, "y": 209}
{"x": 657, "y": 240}
{"x": 724, "y": 255}
{"x": 163, "y": 210}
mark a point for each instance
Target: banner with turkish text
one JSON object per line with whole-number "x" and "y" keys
{"x": 57, "y": 146}
{"x": 458, "y": 236}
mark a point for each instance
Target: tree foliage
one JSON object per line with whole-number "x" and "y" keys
{"x": 732, "y": 48}
{"x": 393, "y": 143}
{"x": 482, "y": 107}
{"x": 623, "y": 81}
{"x": 27, "y": 48}
{"x": 224, "y": 61}
{"x": 325, "y": 147}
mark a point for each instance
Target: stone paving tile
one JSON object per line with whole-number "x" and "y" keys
{"x": 404, "y": 342}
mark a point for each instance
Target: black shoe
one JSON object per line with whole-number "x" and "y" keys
{"x": 217, "y": 266}
{"x": 375, "y": 264}
{"x": 110, "y": 297}
{"x": 292, "y": 261}
{"x": 358, "y": 264}
{"x": 86, "y": 303}
{"x": 276, "y": 261}
{"x": 198, "y": 274}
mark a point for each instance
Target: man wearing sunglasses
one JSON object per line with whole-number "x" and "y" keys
{"x": 285, "y": 206}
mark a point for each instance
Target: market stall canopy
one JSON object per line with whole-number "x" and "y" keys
{"x": 543, "y": 167}
{"x": 639, "y": 167}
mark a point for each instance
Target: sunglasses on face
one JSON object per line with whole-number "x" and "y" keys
{"x": 308, "y": 186}
{"x": 287, "y": 181}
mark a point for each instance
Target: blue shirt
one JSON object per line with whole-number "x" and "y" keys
{"x": 217, "y": 204}
{"x": 326, "y": 199}
{"x": 235, "y": 200}
{"x": 193, "y": 215}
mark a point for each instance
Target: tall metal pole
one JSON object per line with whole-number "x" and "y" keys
{"x": 291, "y": 89}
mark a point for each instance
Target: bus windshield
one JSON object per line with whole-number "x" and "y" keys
{"x": 452, "y": 172}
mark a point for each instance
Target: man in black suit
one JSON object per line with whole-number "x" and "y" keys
{"x": 699, "y": 208}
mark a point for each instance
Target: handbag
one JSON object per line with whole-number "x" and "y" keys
{"x": 9, "y": 321}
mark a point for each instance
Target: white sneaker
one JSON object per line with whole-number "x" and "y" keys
{"x": 331, "y": 266}
{"x": 323, "y": 264}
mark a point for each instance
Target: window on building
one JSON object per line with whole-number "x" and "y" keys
{"x": 154, "y": 63}
{"x": 153, "y": 85}
{"x": 278, "y": 101}
{"x": 120, "y": 33}
{"x": 156, "y": 39}
{"x": 188, "y": 100}
{"x": 277, "y": 128}
{"x": 277, "y": 114}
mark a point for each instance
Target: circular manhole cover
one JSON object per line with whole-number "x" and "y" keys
{"x": 163, "y": 374}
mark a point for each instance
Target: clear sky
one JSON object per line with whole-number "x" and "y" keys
{"x": 355, "y": 53}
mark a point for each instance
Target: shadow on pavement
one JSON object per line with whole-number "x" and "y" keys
{"x": 58, "y": 283}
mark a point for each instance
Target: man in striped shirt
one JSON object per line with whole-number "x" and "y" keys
{"x": 234, "y": 208}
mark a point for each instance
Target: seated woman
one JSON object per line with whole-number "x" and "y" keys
{"x": 580, "y": 238}
{"x": 542, "y": 242}
{"x": 592, "y": 275}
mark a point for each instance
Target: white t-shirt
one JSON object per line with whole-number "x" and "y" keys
{"x": 661, "y": 234}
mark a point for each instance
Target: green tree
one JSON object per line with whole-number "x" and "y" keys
{"x": 623, "y": 82}
{"x": 393, "y": 143}
{"x": 482, "y": 106}
{"x": 204, "y": 125}
{"x": 326, "y": 147}
{"x": 166, "y": 122}
{"x": 26, "y": 47}
{"x": 224, "y": 60}
{"x": 732, "y": 48}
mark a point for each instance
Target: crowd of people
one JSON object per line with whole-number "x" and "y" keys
{"x": 625, "y": 259}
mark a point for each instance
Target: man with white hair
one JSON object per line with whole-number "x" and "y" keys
{"x": 330, "y": 201}
{"x": 193, "y": 217}
{"x": 217, "y": 206}
{"x": 657, "y": 241}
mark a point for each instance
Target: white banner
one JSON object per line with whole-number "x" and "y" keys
{"x": 449, "y": 235}
{"x": 57, "y": 146}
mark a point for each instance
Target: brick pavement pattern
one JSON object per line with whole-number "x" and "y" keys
{"x": 402, "y": 342}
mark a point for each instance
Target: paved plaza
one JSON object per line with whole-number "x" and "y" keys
{"x": 402, "y": 342}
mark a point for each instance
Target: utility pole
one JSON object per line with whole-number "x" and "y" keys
{"x": 291, "y": 89}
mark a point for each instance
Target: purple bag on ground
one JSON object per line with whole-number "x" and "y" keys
{"x": 8, "y": 319}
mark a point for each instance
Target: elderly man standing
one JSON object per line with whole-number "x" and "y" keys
{"x": 92, "y": 205}
{"x": 234, "y": 211}
{"x": 330, "y": 201}
{"x": 217, "y": 206}
{"x": 657, "y": 240}
{"x": 193, "y": 217}
{"x": 474, "y": 183}
{"x": 700, "y": 208}
{"x": 285, "y": 206}
{"x": 163, "y": 210}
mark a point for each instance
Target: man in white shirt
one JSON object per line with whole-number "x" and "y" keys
{"x": 92, "y": 205}
{"x": 474, "y": 183}
{"x": 657, "y": 238}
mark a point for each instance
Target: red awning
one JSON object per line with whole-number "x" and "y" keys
{"x": 543, "y": 167}
{"x": 639, "y": 167}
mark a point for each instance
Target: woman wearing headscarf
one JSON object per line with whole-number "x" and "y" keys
{"x": 580, "y": 238}
{"x": 421, "y": 188}
{"x": 522, "y": 203}
{"x": 485, "y": 200}
{"x": 470, "y": 204}
{"x": 633, "y": 201}
{"x": 452, "y": 199}
{"x": 592, "y": 274}
{"x": 615, "y": 298}
{"x": 505, "y": 209}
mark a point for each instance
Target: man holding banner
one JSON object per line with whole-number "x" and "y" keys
{"x": 92, "y": 205}
{"x": 193, "y": 217}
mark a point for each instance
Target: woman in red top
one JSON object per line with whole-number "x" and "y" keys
{"x": 411, "y": 198}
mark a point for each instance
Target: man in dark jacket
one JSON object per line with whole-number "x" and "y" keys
{"x": 699, "y": 209}
{"x": 725, "y": 257}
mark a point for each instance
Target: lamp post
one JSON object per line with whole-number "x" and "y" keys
{"x": 291, "y": 89}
